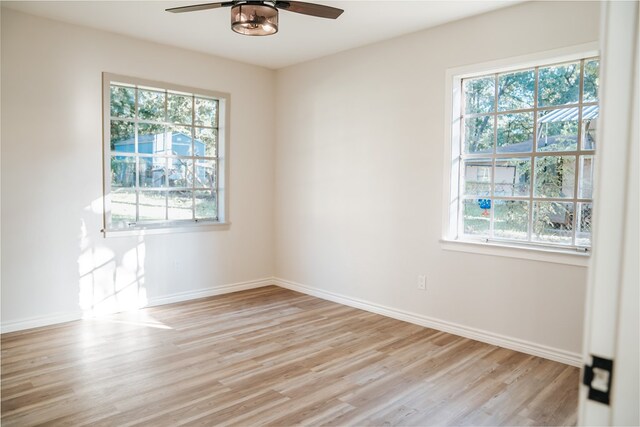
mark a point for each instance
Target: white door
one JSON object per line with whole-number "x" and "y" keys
{"x": 612, "y": 319}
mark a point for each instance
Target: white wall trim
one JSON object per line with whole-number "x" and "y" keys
{"x": 53, "y": 319}
{"x": 562, "y": 356}
{"x": 209, "y": 292}
{"x": 39, "y": 321}
{"x": 530, "y": 252}
{"x": 558, "y": 355}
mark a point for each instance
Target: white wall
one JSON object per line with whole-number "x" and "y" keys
{"x": 357, "y": 167}
{"x": 359, "y": 178}
{"x": 54, "y": 260}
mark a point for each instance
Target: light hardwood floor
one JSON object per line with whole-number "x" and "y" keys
{"x": 277, "y": 357}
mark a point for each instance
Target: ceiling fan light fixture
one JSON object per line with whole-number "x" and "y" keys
{"x": 252, "y": 19}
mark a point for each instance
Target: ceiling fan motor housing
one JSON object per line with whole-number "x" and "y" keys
{"x": 254, "y": 19}
{"x": 260, "y": 17}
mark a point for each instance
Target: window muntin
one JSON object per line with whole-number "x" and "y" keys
{"x": 527, "y": 146}
{"x": 164, "y": 165}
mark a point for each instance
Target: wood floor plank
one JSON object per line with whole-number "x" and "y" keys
{"x": 271, "y": 356}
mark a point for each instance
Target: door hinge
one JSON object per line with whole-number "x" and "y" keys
{"x": 598, "y": 378}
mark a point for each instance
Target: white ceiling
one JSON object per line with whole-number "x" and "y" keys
{"x": 299, "y": 39}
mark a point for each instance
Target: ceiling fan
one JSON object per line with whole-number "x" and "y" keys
{"x": 260, "y": 18}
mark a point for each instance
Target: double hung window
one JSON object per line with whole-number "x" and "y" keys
{"x": 524, "y": 155}
{"x": 164, "y": 155}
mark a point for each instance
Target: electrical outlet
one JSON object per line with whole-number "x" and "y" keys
{"x": 422, "y": 282}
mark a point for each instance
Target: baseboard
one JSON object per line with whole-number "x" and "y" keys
{"x": 39, "y": 321}
{"x": 562, "y": 356}
{"x": 209, "y": 292}
{"x": 48, "y": 320}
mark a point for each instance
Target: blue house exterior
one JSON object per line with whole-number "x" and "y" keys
{"x": 153, "y": 170}
{"x": 157, "y": 144}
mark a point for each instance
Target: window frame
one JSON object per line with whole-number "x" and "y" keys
{"x": 221, "y": 160}
{"x": 452, "y": 200}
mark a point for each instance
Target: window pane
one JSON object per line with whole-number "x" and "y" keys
{"x": 512, "y": 177}
{"x": 589, "y": 126}
{"x": 585, "y": 184}
{"x": 515, "y": 133}
{"x": 501, "y": 135}
{"x": 122, "y": 136}
{"x": 180, "y": 172}
{"x": 516, "y": 90}
{"x": 206, "y": 112}
{"x": 206, "y": 207}
{"x": 477, "y": 177}
{"x": 559, "y": 85}
{"x": 475, "y": 217}
{"x": 511, "y": 219}
{"x": 123, "y": 102}
{"x": 180, "y": 204}
{"x": 152, "y": 139}
{"x": 152, "y": 171}
{"x": 179, "y": 108}
{"x": 591, "y": 80}
{"x": 123, "y": 207}
{"x": 181, "y": 140}
{"x": 151, "y": 105}
{"x": 479, "y": 95}
{"x": 553, "y": 222}
{"x": 163, "y": 163}
{"x": 555, "y": 176}
{"x": 558, "y": 130}
{"x": 206, "y": 142}
{"x": 205, "y": 174}
{"x": 478, "y": 133}
{"x": 583, "y": 234}
{"x": 123, "y": 171}
{"x": 152, "y": 205}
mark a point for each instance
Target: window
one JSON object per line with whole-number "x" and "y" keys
{"x": 164, "y": 151}
{"x": 523, "y": 155}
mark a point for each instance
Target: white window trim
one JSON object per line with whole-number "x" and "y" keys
{"x": 163, "y": 227}
{"x": 170, "y": 228}
{"x": 453, "y": 79}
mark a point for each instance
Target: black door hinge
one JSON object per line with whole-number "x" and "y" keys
{"x": 598, "y": 378}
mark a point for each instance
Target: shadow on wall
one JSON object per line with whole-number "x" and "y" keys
{"x": 111, "y": 270}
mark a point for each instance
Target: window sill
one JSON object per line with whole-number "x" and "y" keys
{"x": 552, "y": 255}
{"x": 150, "y": 230}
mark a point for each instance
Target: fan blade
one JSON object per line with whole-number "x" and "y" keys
{"x": 312, "y": 9}
{"x": 196, "y": 7}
